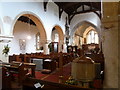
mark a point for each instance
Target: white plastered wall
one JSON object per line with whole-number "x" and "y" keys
{"x": 21, "y": 31}
{"x": 11, "y": 11}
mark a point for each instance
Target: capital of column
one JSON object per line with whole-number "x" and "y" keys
{"x": 5, "y": 39}
{"x": 48, "y": 41}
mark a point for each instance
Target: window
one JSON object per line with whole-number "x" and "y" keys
{"x": 56, "y": 37}
{"x": 92, "y": 37}
{"x": 38, "y": 41}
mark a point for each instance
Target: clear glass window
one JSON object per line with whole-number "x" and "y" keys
{"x": 92, "y": 37}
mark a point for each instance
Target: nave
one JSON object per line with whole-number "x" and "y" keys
{"x": 56, "y": 68}
{"x": 59, "y": 44}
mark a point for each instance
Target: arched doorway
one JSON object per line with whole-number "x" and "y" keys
{"x": 57, "y": 38}
{"x": 29, "y": 34}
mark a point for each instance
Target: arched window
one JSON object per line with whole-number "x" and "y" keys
{"x": 92, "y": 37}
{"x": 38, "y": 41}
{"x": 55, "y": 35}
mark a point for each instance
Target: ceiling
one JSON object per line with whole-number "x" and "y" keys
{"x": 26, "y": 20}
{"x": 71, "y": 8}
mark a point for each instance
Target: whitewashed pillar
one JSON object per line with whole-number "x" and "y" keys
{"x": 46, "y": 48}
{"x": 64, "y": 48}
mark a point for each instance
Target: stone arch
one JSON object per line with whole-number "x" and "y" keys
{"x": 61, "y": 37}
{"x": 36, "y": 20}
{"x": 60, "y": 33}
{"x": 78, "y": 25}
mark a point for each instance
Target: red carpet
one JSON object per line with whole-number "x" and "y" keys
{"x": 65, "y": 72}
{"x": 39, "y": 75}
{"x": 54, "y": 76}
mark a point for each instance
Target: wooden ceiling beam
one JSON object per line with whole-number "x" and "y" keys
{"x": 45, "y": 5}
{"x": 71, "y": 8}
{"x": 98, "y": 14}
{"x": 60, "y": 12}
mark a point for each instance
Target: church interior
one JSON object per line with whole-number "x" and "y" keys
{"x": 52, "y": 44}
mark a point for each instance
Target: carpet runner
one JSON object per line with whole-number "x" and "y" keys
{"x": 54, "y": 76}
{"x": 65, "y": 72}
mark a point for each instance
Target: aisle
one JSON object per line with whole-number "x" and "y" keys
{"x": 54, "y": 76}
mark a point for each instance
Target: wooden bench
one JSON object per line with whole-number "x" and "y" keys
{"x": 29, "y": 83}
{"x": 6, "y": 79}
{"x": 20, "y": 69}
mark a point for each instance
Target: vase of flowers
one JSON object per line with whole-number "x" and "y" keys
{"x": 6, "y": 50}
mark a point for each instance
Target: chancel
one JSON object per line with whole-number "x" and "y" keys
{"x": 52, "y": 44}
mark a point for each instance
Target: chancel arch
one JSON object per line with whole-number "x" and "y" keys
{"x": 80, "y": 31}
{"x": 80, "y": 28}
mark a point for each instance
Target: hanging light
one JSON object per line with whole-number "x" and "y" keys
{"x": 29, "y": 36}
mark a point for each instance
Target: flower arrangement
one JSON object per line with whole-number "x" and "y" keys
{"x": 6, "y": 50}
{"x": 71, "y": 81}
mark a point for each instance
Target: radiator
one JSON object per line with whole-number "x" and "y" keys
{"x": 39, "y": 63}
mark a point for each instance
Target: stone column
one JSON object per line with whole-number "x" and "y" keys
{"x": 60, "y": 48}
{"x": 64, "y": 48}
{"x": 110, "y": 43}
{"x": 46, "y": 48}
{"x": 119, "y": 41}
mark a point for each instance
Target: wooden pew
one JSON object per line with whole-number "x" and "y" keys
{"x": 49, "y": 64}
{"x": 29, "y": 83}
{"x": 31, "y": 66}
{"x": 20, "y": 69}
{"x": 17, "y": 69}
{"x": 57, "y": 59}
{"x": 97, "y": 58}
{"x": 6, "y": 79}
